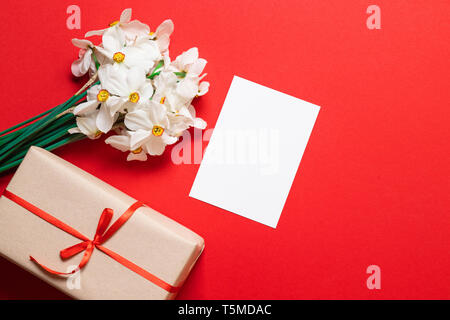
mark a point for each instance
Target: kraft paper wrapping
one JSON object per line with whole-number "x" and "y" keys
{"x": 154, "y": 242}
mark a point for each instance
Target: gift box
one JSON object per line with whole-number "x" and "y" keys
{"x": 59, "y": 215}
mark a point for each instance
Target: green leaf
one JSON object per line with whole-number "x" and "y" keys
{"x": 181, "y": 74}
{"x": 70, "y": 139}
{"x": 35, "y": 127}
{"x": 26, "y": 121}
{"x": 97, "y": 64}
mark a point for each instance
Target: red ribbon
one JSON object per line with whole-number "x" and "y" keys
{"x": 101, "y": 235}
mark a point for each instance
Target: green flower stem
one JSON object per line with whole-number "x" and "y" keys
{"x": 178, "y": 74}
{"x": 53, "y": 116}
{"x": 26, "y": 122}
{"x": 8, "y": 137}
{"x": 48, "y": 130}
{"x": 37, "y": 126}
{"x": 97, "y": 64}
{"x": 11, "y": 135}
{"x": 10, "y": 165}
{"x": 181, "y": 74}
{"x": 159, "y": 65}
{"x": 55, "y": 111}
{"x": 65, "y": 122}
{"x": 43, "y": 141}
{"x": 155, "y": 71}
{"x": 28, "y": 129}
{"x": 59, "y": 122}
{"x": 70, "y": 139}
{"x": 154, "y": 74}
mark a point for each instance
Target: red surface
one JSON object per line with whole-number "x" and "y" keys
{"x": 373, "y": 185}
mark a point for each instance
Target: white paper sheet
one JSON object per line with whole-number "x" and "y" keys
{"x": 254, "y": 151}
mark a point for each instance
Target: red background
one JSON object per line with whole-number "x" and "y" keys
{"x": 373, "y": 184}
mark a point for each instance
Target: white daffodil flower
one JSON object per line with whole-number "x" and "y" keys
{"x": 87, "y": 126}
{"x": 171, "y": 91}
{"x": 131, "y": 29}
{"x": 109, "y": 107}
{"x": 181, "y": 113}
{"x": 189, "y": 67}
{"x": 203, "y": 88}
{"x": 141, "y": 53}
{"x": 143, "y": 95}
{"x": 122, "y": 143}
{"x": 165, "y": 91}
{"x": 184, "y": 119}
{"x": 189, "y": 63}
{"x": 189, "y": 87}
{"x": 149, "y": 128}
{"x": 127, "y": 88}
{"x": 94, "y": 98}
{"x": 81, "y": 66}
{"x": 162, "y": 35}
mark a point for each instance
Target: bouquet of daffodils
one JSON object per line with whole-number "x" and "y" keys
{"x": 134, "y": 90}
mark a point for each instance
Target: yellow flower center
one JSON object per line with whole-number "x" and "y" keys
{"x": 163, "y": 99}
{"x": 151, "y": 33}
{"x": 98, "y": 133}
{"x": 102, "y": 95}
{"x": 157, "y": 130}
{"x": 118, "y": 57}
{"x": 134, "y": 97}
{"x": 112, "y": 24}
{"x": 136, "y": 151}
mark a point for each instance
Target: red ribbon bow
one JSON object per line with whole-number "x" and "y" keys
{"x": 101, "y": 235}
{"x": 89, "y": 245}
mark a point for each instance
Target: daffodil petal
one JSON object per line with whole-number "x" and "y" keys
{"x": 92, "y": 92}
{"x": 189, "y": 56}
{"x": 113, "y": 78}
{"x": 94, "y": 33}
{"x": 104, "y": 119}
{"x": 136, "y": 28}
{"x": 155, "y": 146}
{"x": 85, "y": 107}
{"x": 203, "y": 88}
{"x": 74, "y": 130}
{"x": 165, "y": 28}
{"x": 114, "y": 104}
{"x": 197, "y": 67}
{"x": 199, "y": 123}
{"x": 87, "y": 125}
{"x": 139, "y": 138}
{"x": 125, "y": 16}
{"x": 113, "y": 40}
{"x": 81, "y": 66}
{"x": 137, "y": 120}
{"x": 82, "y": 43}
{"x": 135, "y": 78}
{"x": 167, "y": 139}
{"x": 158, "y": 114}
{"x": 163, "y": 42}
{"x": 187, "y": 88}
{"x": 141, "y": 156}
{"x": 120, "y": 142}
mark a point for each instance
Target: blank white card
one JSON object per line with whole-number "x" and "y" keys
{"x": 254, "y": 151}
